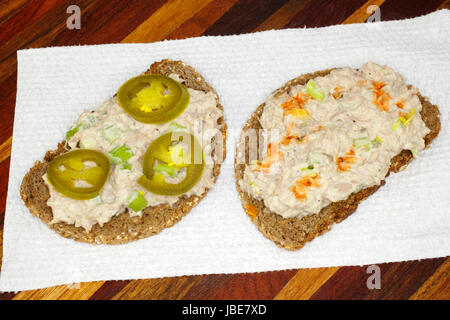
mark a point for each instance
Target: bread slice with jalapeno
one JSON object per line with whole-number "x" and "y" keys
{"x": 341, "y": 132}
{"x": 66, "y": 190}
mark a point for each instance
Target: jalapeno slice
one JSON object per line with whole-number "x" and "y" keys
{"x": 153, "y": 98}
{"x": 179, "y": 150}
{"x": 79, "y": 174}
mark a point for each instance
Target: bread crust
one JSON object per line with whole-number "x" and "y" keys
{"x": 294, "y": 233}
{"x": 121, "y": 228}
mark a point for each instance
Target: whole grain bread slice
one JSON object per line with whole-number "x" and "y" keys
{"x": 293, "y": 233}
{"x": 122, "y": 228}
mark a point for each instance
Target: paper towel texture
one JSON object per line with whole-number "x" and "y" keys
{"x": 406, "y": 219}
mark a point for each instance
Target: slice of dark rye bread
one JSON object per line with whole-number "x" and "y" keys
{"x": 293, "y": 233}
{"x": 121, "y": 228}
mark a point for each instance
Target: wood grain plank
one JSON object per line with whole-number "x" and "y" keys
{"x": 109, "y": 289}
{"x": 30, "y": 13}
{"x": 206, "y": 286}
{"x": 305, "y": 283}
{"x": 403, "y": 9}
{"x": 49, "y": 20}
{"x": 362, "y": 14}
{"x": 107, "y": 21}
{"x": 4, "y": 173}
{"x": 321, "y": 13}
{"x": 244, "y": 17}
{"x": 8, "y": 98}
{"x": 162, "y": 288}
{"x": 282, "y": 16}
{"x": 9, "y": 8}
{"x": 165, "y": 20}
{"x": 202, "y": 20}
{"x": 80, "y": 291}
{"x": 5, "y": 149}
{"x": 445, "y": 5}
{"x": 437, "y": 287}
{"x": 398, "y": 281}
{"x": 247, "y": 286}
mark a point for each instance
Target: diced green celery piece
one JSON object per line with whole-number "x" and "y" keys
{"x": 120, "y": 154}
{"x": 411, "y": 115}
{"x": 363, "y": 142}
{"x": 125, "y": 166}
{"x": 415, "y": 153}
{"x": 308, "y": 168}
{"x": 87, "y": 143}
{"x": 397, "y": 124}
{"x": 312, "y": 90}
{"x": 72, "y": 131}
{"x": 111, "y": 133}
{"x": 378, "y": 139}
{"x": 166, "y": 169}
{"x": 136, "y": 201}
{"x": 176, "y": 127}
{"x": 75, "y": 128}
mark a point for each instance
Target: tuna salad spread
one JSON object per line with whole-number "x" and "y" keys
{"x": 332, "y": 137}
{"x": 127, "y": 138}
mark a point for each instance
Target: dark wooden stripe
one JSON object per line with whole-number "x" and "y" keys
{"x": 30, "y": 31}
{"x": 202, "y": 20}
{"x": 8, "y": 101}
{"x": 244, "y": 17}
{"x": 206, "y": 286}
{"x": 10, "y": 8}
{"x": 7, "y": 295}
{"x": 402, "y": 9}
{"x": 31, "y": 12}
{"x": 4, "y": 172}
{"x": 445, "y": 5}
{"x": 321, "y": 13}
{"x": 251, "y": 286}
{"x": 108, "y": 21}
{"x": 109, "y": 289}
{"x": 398, "y": 281}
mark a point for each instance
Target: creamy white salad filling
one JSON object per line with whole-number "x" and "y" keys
{"x": 326, "y": 150}
{"x": 200, "y": 119}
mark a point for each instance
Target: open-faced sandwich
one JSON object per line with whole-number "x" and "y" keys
{"x": 324, "y": 142}
{"x": 136, "y": 164}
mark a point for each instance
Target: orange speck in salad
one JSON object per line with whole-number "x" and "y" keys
{"x": 273, "y": 155}
{"x": 251, "y": 210}
{"x": 403, "y": 114}
{"x": 400, "y": 104}
{"x": 301, "y": 186}
{"x": 343, "y": 163}
{"x": 337, "y": 92}
{"x": 381, "y": 98}
{"x": 295, "y": 106}
{"x": 362, "y": 83}
{"x": 287, "y": 139}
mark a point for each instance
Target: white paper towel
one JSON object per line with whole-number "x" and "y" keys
{"x": 407, "y": 219}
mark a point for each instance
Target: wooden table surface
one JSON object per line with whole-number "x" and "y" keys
{"x": 42, "y": 23}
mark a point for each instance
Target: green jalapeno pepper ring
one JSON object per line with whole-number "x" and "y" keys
{"x": 153, "y": 98}
{"x": 162, "y": 150}
{"x": 66, "y": 169}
